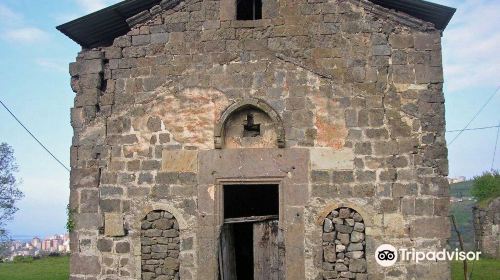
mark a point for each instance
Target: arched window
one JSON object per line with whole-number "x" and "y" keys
{"x": 160, "y": 246}
{"x": 249, "y": 123}
{"x": 344, "y": 245}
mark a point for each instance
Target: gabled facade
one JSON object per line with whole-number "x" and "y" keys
{"x": 286, "y": 146}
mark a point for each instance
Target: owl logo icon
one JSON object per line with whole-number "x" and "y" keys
{"x": 386, "y": 255}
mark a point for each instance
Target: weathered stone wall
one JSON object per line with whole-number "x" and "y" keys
{"x": 487, "y": 229}
{"x": 357, "y": 85}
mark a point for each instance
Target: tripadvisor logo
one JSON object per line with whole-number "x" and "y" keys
{"x": 387, "y": 255}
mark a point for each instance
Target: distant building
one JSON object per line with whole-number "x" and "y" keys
{"x": 455, "y": 180}
{"x": 36, "y": 243}
{"x": 57, "y": 243}
{"x": 46, "y": 245}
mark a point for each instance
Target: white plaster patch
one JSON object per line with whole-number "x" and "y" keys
{"x": 331, "y": 159}
{"x": 211, "y": 192}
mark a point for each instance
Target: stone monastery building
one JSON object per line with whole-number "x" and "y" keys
{"x": 258, "y": 139}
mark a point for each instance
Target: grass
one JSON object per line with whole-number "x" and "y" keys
{"x": 57, "y": 268}
{"x": 49, "y": 268}
{"x": 484, "y": 269}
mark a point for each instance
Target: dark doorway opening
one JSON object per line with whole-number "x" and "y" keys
{"x": 243, "y": 248}
{"x": 250, "y": 238}
{"x": 250, "y": 200}
{"x": 248, "y": 9}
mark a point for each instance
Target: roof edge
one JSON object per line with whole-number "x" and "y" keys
{"x": 437, "y": 14}
{"x": 102, "y": 27}
{"x": 120, "y": 13}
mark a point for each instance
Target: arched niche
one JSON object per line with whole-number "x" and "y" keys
{"x": 344, "y": 244}
{"x": 249, "y": 123}
{"x": 160, "y": 246}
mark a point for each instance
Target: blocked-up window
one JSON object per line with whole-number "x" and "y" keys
{"x": 248, "y": 9}
{"x": 160, "y": 246}
{"x": 344, "y": 245}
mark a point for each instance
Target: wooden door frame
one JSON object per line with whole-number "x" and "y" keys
{"x": 219, "y": 189}
{"x": 289, "y": 168}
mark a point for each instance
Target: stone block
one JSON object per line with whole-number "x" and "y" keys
{"x": 329, "y": 253}
{"x": 89, "y": 201}
{"x": 320, "y": 177}
{"x": 84, "y": 178}
{"x": 327, "y": 225}
{"x": 343, "y": 238}
{"x": 110, "y": 205}
{"x": 403, "y": 74}
{"x": 401, "y": 41}
{"x": 122, "y": 247}
{"x": 113, "y": 53}
{"x": 296, "y": 194}
{"x": 105, "y": 245}
{"x": 357, "y": 236}
{"x": 92, "y": 66}
{"x": 430, "y": 227}
{"x": 343, "y": 228}
{"x": 355, "y": 247}
{"x": 341, "y": 267}
{"x": 171, "y": 263}
{"x": 364, "y": 148}
{"x": 331, "y": 159}
{"x": 86, "y": 265}
{"x": 357, "y": 265}
{"x": 87, "y": 221}
{"x": 425, "y": 41}
{"x": 180, "y": 161}
{"x": 381, "y": 50}
{"x": 159, "y": 38}
{"x": 113, "y": 225}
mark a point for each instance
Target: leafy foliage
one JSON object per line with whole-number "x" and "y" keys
{"x": 486, "y": 186}
{"x": 9, "y": 193}
{"x": 70, "y": 223}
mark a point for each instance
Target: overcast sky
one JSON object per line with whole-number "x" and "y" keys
{"x": 34, "y": 83}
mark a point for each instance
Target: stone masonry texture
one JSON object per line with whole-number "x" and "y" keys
{"x": 357, "y": 89}
{"x": 344, "y": 245}
{"x": 487, "y": 228}
{"x": 160, "y": 246}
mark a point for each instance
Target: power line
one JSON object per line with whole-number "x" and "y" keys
{"x": 476, "y": 128}
{"x": 34, "y": 137}
{"x": 495, "y": 149}
{"x": 475, "y": 116}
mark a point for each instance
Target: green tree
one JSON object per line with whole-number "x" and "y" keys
{"x": 486, "y": 186}
{"x": 9, "y": 193}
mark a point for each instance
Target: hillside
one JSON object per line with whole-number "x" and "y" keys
{"x": 462, "y": 211}
{"x": 461, "y": 189}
